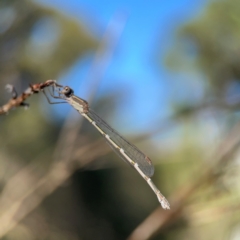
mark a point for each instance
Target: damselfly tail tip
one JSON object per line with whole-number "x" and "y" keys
{"x": 164, "y": 202}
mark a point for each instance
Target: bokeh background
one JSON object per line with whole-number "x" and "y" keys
{"x": 166, "y": 74}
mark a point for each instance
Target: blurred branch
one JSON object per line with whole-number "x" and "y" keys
{"x": 211, "y": 104}
{"x": 70, "y": 130}
{"x": 183, "y": 114}
{"x": 159, "y": 218}
{"x": 196, "y": 216}
{"x": 60, "y": 171}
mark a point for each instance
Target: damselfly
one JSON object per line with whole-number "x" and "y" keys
{"x": 121, "y": 146}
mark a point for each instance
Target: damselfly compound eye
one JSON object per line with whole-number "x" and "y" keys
{"x": 67, "y": 91}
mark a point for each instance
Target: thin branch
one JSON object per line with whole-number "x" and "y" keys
{"x": 17, "y": 101}
{"x": 198, "y": 217}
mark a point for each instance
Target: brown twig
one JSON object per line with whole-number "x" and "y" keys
{"x": 17, "y": 101}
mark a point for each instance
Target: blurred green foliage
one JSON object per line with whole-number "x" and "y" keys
{"x": 206, "y": 52}
{"x": 211, "y": 44}
{"x": 38, "y": 43}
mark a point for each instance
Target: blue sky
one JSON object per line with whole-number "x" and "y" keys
{"x": 134, "y": 68}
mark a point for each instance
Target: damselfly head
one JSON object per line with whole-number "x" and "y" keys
{"x": 67, "y": 91}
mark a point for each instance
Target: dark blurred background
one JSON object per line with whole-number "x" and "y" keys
{"x": 166, "y": 75}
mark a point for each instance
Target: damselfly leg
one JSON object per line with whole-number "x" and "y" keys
{"x": 52, "y": 93}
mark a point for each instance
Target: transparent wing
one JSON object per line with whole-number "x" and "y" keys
{"x": 132, "y": 151}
